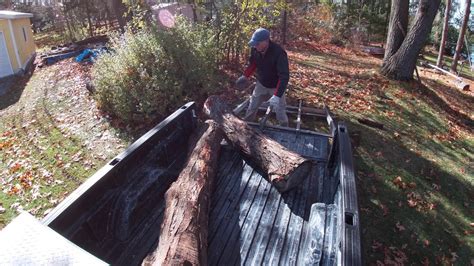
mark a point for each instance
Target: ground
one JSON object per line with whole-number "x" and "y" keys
{"x": 52, "y": 137}
{"x": 415, "y": 177}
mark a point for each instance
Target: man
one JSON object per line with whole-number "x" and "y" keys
{"x": 270, "y": 61}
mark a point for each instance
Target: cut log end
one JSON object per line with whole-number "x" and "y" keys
{"x": 285, "y": 183}
{"x": 461, "y": 85}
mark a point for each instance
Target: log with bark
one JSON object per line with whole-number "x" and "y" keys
{"x": 285, "y": 169}
{"x": 184, "y": 230}
{"x": 457, "y": 82}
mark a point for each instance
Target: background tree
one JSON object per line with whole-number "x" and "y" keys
{"x": 445, "y": 33}
{"x": 462, "y": 32}
{"x": 401, "y": 64}
{"x": 397, "y": 28}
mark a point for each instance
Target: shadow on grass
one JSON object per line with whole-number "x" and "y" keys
{"x": 433, "y": 228}
{"x": 13, "y": 88}
{"x": 442, "y": 96}
{"x": 309, "y": 50}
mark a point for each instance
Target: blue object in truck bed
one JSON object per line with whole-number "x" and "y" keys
{"x": 116, "y": 214}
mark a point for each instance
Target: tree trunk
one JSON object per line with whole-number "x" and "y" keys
{"x": 7, "y": 4}
{"x": 284, "y": 25}
{"x": 284, "y": 168}
{"x": 68, "y": 24}
{"x": 89, "y": 19}
{"x": 402, "y": 63}
{"x": 183, "y": 236}
{"x": 119, "y": 11}
{"x": 192, "y": 3}
{"x": 397, "y": 28}
{"x": 462, "y": 32}
{"x": 444, "y": 36}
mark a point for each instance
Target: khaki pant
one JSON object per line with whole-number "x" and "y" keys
{"x": 261, "y": 94}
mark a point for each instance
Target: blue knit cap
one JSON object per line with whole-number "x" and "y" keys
{"x": 259, "y": 35}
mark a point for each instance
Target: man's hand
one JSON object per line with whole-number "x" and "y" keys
{"x": 242, "y": 83}
{"x": 274, "y": 101}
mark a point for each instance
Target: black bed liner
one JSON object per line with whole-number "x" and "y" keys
{"x": 116, "y": 214}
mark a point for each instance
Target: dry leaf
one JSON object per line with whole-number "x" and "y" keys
{"x": 400, "y": 227}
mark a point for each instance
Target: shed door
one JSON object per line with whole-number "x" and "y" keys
{"x": 5, "y": 64}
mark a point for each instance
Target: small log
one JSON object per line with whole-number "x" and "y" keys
{"x": 285, "y": 169}
{"x": 370, "y": 123}
{"x": 373, "y": 50}
{"x": 184, "y": 230}
{"x": 458, "y": 82}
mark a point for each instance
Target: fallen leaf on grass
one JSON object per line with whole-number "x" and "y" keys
{"x": 399, "y": 183}
{"x": 399, "y": 227}
{"x": 15, "y": 167}
{"x": 412, "y": 203}
{"x": 376, "y": 245}
{"x": 454, "y": 256}
{"x": 384, "y": 209}
{"x": 46, "y": 212}
{"x": 426, "y": 242}
{"x": 16, "y": 206}
{"x": 431, "y": 206}
{"x": 374, "y": 189}
{"x": 425, "y": 262}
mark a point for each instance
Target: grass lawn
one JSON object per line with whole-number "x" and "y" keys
{"x": 415, "y": 178}
{"x": 52, "y": 137}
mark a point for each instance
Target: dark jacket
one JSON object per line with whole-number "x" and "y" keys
{"x": 272, "y": 68}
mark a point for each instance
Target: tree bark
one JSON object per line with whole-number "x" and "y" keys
{"x": 89, "y": 19}
{"x": 444, "y": 36}
{"x": 8, "y": 4}
{"x": 285, "y": 169}
{"x": 183, "y": 236}
{"x": 284, "y": 24}
{"x": 401, "y": 65}
{"x": 398, "y": 26}
{"x": 192, "y": 3}
{"x": 462, "y": 32}
{"x": 119, "y": 10}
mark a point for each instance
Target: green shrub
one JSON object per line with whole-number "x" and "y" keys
{"x": 150, "y": 73}
{"x": 237, "y": 21}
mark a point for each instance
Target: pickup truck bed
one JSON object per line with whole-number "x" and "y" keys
{"x": 116, "y": 214}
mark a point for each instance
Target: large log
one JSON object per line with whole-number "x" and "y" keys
{"x": 184, "y": 230}
{"x": 285, "y": 169}
{"x": 457, "y": 82}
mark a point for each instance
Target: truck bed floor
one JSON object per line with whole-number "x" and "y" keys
{"x": 252, "y": 223}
